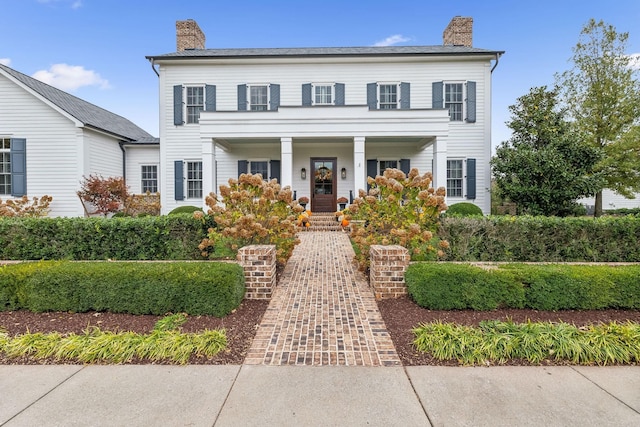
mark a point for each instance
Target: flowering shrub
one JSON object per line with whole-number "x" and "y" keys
{"x": 103, "y": 195}
{"x": 252, "y": 211}
{"x": 397, "y": 210}
{"x": 143, "y": 204}
{"x": 23, "y": 207}
{"x": 303, "y": 200}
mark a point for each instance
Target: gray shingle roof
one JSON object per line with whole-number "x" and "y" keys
{"x": 327, "y": 51}
{"x": 87, "y": 113}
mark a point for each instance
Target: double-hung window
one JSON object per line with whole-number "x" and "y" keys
{"x": 194, "y": 103}
{"x": 149, "y": 174}
{"x": 258, "y": 97}
{"x": 455, "y": 178}
{"x": 5, "y": 166}
{"x": 259, "y": 166}
{"x": 453, "y": 100}
{"x": 194, "y": 180}
{"x": 323, "y": 94}
{"x": 387, "y": 164}
{"x": 388, "y": 96}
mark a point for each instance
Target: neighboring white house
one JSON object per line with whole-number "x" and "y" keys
{"x": 323, "y": 119}
{"x": 50, "y": 139}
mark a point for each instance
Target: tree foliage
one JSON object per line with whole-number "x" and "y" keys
{"x": 544, "y": 167}
{"x": 602, "y": 93}
{"x": 103, "y": 195}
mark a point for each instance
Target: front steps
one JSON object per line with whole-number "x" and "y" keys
{"x": 322, "y": 221}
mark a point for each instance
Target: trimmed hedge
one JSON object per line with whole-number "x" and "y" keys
{"x": 194, "y": 288}
{"x": 464, "y": 209}
{"x": 542, "y": 239}
{"x": 445, "y": 286}
{"x": 147, "y": 238}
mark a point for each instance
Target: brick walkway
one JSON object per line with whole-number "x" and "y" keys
{"x": 322, "y": 311}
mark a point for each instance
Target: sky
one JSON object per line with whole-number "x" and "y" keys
{"x": 95, "y": 49}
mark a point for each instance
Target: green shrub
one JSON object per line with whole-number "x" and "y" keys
{"x": 145, "y": 238}
{"x": 124, "y": 287}
{"x": 184, "y": 209}
{"x": 542, "y": 239}
{"x": 464, "y": 209}
{"x": 446, "y": 286}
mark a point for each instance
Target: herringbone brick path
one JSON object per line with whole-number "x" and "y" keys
{"x": 322, "y": 311}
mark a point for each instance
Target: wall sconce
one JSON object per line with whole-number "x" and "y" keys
{"x": 303, "y": 173}
{"x": 343, "y": 173}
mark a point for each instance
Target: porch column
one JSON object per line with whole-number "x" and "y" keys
{"x": 440, "y": 163}
{"x": 359, "y": 165}
{"x": 208, "y": 169}
{"x": 286, "y": 162}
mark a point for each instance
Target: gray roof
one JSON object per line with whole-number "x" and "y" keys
{"x": 327, "y": 51}
{"x": 90, "y": 115}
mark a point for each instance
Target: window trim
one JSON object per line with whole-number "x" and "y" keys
{"x": 333, "y": 93}
{"x": 185, "y": 98}
{"x": 379, "y": 95}
{"x": 267, "y": 86}
{"x": 462, "y": 102}
{"x": 187, "y": 180}
{"x": 461, "y": 179}
{"x": 388, "y": 159}
{"x": 7, "y": 152}
{"x": 142, "y": 178}
{"x": 261, "y": 160}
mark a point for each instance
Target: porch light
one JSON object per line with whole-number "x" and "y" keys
{"x": 303, "y": 173}
{"x": 343, "y": 173}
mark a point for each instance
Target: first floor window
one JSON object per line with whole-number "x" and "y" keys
{"x": 194, "y": 103}
{"x": 5, "y": 166}
{"x": 323, "y": 94}
{"x": 388, "y": 96}
{"x": 453, "y": 98}
{"x": 149, "y": 178}
{"x": 454, "y": 178}
{"x": 258, "y": 97}
{"x": 261, "y": 167}
{"x": 387, "y": 164}
{"x": 194, "y": 180}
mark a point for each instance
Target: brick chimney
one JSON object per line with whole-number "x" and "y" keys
{"x": 459, "y": 32}
{"x": 189, "y": 35}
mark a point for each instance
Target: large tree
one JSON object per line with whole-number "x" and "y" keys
{"x": 602, "y": 93}
{"x": 544, "y": 167}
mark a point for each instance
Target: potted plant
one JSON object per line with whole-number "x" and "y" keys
{"x": 342, "y": 201}
{"x": 303, "y": 201}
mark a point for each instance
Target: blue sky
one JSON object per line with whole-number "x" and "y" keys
{"x": 96, "y": 49}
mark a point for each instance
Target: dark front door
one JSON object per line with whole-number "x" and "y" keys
{"x": 323, "y": 184}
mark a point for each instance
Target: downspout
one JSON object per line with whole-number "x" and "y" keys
{"x": 124, "y": 161}
{"x": 494, "y": 66}
{"x": 153, "y": 67}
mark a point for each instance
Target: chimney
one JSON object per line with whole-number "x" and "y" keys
{"x": 459, "y": 32}
{"x": 189, "y": 35}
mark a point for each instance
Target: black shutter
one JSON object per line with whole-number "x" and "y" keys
{"x": 405, "y": 165}
{"x": 242, "y": 167}
{"x": 471, "y": 102}
{"x": 471, "y": 178}
{"x": 339, "y": 88}
{"x": 275, "y": 169}
{"x": 306, "y": 95}
{"x": 405, "y": 96}
{"x": 177, "y": 105}
{"x": 437, "y": 95}
{"x": 372, "y": 169}
{"x": 275, "y": 96}
{"x": 242, "y": 97}
{"x": 210, "y": 98}
{"x": 372, "y": 95}
{"x": 18, "y": 159}
{"x": 178, "y": 178}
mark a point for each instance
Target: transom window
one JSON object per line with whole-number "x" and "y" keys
{"x": 454, "y": 178}
{"x": 453, "y": 100}
{"x": 323, "y": 94}
{"x": 194, "y": 103}
{"x": 258, "y": 97}
{"x": 259, "y": 166}
{"x": 194, "y": 180}
{"x": 5, "y": 166}
{"x": 388, "y": 96}
{"x": 149, "y": 178}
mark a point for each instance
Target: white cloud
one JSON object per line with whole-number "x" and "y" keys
{"x": 391, "y": 40}
{"x": 70, "y": 77}
{"x": 634, "y": 61}
{"x": 5, "y": 61}
{"x": 75, "y": 4}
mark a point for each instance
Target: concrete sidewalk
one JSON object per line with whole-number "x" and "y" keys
{"x": 258, "y": 395}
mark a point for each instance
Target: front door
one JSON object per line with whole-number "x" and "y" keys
{"x": 323, "y": 184}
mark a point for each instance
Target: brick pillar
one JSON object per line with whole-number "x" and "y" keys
{"x": 386, "y": 274}
{"x": 259, "y": 265}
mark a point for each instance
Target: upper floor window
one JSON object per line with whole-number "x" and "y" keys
{"x": 388, "y": 96}
{"x": 453, "y": 100}
{"x": 323, "y": 94}
{"x": 455, "y": 178}
{"x": 5, "y": 166}
{"x": 194, "y": 102}
{"x": 194, "y": 180}
{"x": 149, "y": 174}
{"x": 258, "y": 97}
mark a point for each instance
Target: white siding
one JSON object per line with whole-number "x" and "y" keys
{"x": 136, "y": 158}
{"x": 105, "y": 155}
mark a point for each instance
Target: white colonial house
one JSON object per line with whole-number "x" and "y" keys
{"x": 50, "y": 140}
{"x": 323, "y": 119}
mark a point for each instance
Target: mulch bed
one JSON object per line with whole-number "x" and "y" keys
{"x": 400, "y": 316}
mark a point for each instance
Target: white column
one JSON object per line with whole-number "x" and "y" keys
{"x": 286, "y": 162}
{"x": 208, "y": 169}
{"x": 359, "y": 165}
{"x": 440, "y": 162}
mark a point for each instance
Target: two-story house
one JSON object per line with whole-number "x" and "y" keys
{"x": 323, "y": 119}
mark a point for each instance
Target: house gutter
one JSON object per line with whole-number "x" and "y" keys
{"x": 153, "y": 66}
{"x": 495, "y": 65}
{"x": 124, "y": 160}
